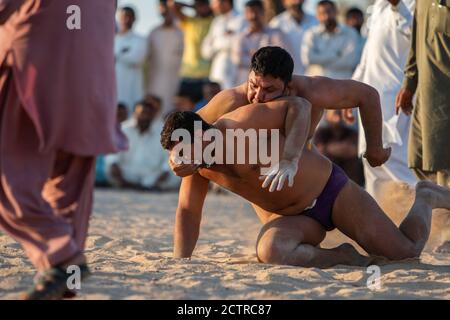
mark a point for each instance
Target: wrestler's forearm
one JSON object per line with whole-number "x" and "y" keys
{"x": 297, "y": 123}
{"x": 371, "y": 117}
{"x": 186, "y": 234}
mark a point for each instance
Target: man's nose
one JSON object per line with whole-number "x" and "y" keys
{"x": 259, "y": 96}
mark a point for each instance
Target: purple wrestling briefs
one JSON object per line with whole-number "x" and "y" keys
{"x": 323, "y": 207}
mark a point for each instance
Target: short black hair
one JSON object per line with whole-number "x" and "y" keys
{"x": 129, "y": 10}
{"x": 212, "y": 84}
{"x": 273, "y": 61}
{"x": 201, "y": 1}
{"x": 191, "y": 91}
{"x": 180, "y": 120}
{"x": 255, "y": 4}
{"x": 326, "y": 2}
{"x": 231, "y": 2}
{"x": 149, "y": 97}
{"x": 122, "y": 105}
{"x": 355, "y": 11}
{"x": 146, "y": 103}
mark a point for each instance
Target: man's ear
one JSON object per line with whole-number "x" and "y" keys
{"x": 289, "y": 87}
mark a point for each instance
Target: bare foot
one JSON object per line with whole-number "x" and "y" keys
{"x": 378, "y": 260}
{"x": 443, "y": 248}
{"x": 436, "y": 196}
{"x": 354, "y": 257}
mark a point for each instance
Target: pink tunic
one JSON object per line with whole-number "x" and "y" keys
{"x": 75, "y": 66}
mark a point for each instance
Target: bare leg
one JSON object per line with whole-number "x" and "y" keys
{"x": 417, "y": 224}
{"x": 305, "y": 255}
{"x": 293, "y": 241}
{"x": 357, "y": 215}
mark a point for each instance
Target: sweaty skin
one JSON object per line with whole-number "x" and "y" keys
{"x": 288, "y": 237}
{"x": 323, "y": 93}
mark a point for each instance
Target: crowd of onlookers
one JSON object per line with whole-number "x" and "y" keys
{"x": 206, "y": 47}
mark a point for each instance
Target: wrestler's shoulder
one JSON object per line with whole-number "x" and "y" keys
{"x": 234, "y": 95}
{"x": 310, "y": 87}
{"x": 228, "y": 100}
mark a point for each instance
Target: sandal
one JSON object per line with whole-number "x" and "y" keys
{"x": 52, "y": 284}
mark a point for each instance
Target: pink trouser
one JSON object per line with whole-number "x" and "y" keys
{"x": 45, "y": 198}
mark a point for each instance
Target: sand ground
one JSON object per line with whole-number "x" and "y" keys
{"x": 130, "y": 246}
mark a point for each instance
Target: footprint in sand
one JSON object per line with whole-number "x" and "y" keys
{"x": 97, "y": 241}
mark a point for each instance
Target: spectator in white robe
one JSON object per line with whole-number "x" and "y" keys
{"x": 130, "y": 52}
{"x": 381, "y": 66}
{"x": 331, "y": 47}
{"x": 218, "y": 43}
{"x": 144, "y": 165}
{"x": 165, "y": 51}
{"x": 294, "y": 22}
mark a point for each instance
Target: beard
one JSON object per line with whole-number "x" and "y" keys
{"x": 331, "y": 23}
{"x": 143, "y": 125}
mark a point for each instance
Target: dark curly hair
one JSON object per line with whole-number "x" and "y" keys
{"x": 273, "y": 61}
{"x": 180, "y": 120}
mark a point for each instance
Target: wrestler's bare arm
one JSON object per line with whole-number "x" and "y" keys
{"x": 326, "y": 93}
{"x": 296, "y": 126}
{"x": 291, "y": 115}
{"x": 192, "y": 195}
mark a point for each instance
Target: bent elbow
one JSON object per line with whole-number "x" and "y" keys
{"x": 371, "y": 92}
{"x": 300, "y": 106}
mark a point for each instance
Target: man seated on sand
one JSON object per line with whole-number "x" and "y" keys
{"x": 295, "y": 220}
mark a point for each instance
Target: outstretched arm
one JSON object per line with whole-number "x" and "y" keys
{"x": 326, "y": 93}
{"x": 193, "y": 191}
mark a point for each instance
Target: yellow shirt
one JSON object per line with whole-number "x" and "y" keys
{"x": 195, "y": 30}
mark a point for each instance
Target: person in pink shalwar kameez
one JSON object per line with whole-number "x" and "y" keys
{"x": 57, "y": 112}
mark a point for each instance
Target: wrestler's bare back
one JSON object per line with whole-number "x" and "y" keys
{"x": 243, "y": 179}
{"x": 229, "y": 100}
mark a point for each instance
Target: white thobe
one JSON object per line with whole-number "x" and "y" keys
{"x": 381, "y": 66}
{"x": 217, "y": 47}
{"x": 294, "y": 33}
{"x": 165, "y": 47}
{"x": 145, "y": 160}
{"x": 335, "y": 53}
{"x": 130, "y": 52}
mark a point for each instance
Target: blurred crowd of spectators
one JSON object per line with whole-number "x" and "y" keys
{"x": 205, "y": 47}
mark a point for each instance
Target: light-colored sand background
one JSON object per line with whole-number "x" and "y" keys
{"x": 130, "y": 246}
